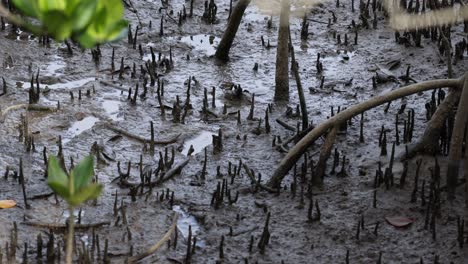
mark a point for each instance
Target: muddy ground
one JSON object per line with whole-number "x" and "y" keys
{"x": 343, "y": 200}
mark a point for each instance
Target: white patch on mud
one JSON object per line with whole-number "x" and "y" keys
{"x": 111, "y": 105}
{"x": 112, "y": 109}
{"x": 202, "y": 43}
{"x": 79, "y": 127}
{"x": 76, "y": 212}
{"x": 52, "y": 67}
{"x": 71, "y": 84}
{"x": 184, "y": 221}
{"x": 199, "y": 142}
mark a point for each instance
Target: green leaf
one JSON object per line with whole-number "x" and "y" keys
{"x": 90, "y": 22}
{"x": 117, "y": 31}
{"x": 56, "y": 177}
{"x": 96, "y": 34}
{"x": 71, "y": 183}
{"x": 114, "y": 10}
{"x": 52, "y": 5}
{"x": 60, "y": 190}
{"x": 83, "y": 13}
{"x": 86, "y": 40}
{"x": 89, "y": 192}
{"x": 83, "y": 172}
{"x": 72, "y": 4}
{"x": 58, "y": 24}
{"x": 28, "y": 7}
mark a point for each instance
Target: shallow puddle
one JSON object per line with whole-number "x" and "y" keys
{"x": 184, "y": 221}
{"x": 111, "y": 104}
{"x": 112, "y": 109}
{"x": 71, "y": 84}
{"x": 204, "y": 139}
{"x": 79, "y": 127}
{"x": 52, "y": 67}
{"x": 60, "y": 85}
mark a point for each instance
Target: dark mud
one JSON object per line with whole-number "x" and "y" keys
{"x": 343, "y": 201}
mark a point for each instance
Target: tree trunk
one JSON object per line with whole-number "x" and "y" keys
{"x": 222, "y": 53}
{"x": 324, "y": 155}
{"x": 465, "y": 167}
{"x": 456, "y": 144}
{"x": 282, "y": 62}
{"x": 434, "y": 127}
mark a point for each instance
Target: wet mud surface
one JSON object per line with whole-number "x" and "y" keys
{"x": 134, "y": 220}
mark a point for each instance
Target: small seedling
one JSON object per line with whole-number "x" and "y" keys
{"x": 75, "y": 188}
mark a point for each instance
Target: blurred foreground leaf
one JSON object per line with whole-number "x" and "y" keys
{"x": 90, "y": 22}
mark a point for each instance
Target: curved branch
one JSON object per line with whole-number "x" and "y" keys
{"x": 296, "y": 152}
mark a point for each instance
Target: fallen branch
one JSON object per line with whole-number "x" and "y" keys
{"x": 298, "y": 150}
{"x": 247, "y": 231}
{"x": 286, "y": 125}
{"x": 165, "y": 177}
{"x": 151, "y": 250}
{"x": 172, "y": 172}
{"x": 29, "y": 107}
{"x": 140, "y": 138}
{"x": 63, "y": 228}
{"x": 317, "y": 21}
{"x": 113, "y": 85}
{"x": 41, "y": 196}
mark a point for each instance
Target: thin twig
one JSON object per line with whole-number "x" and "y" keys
{"x": 140, "y": 138}
{"x": 286, "y": 125}
{"x": 155, "y": 247}
{"x": 29, "y": 107}
{"x": 62, "y": 227}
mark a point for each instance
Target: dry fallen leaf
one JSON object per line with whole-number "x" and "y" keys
{"x": 5, "y": 204}
{"x": 399, "y": 221}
